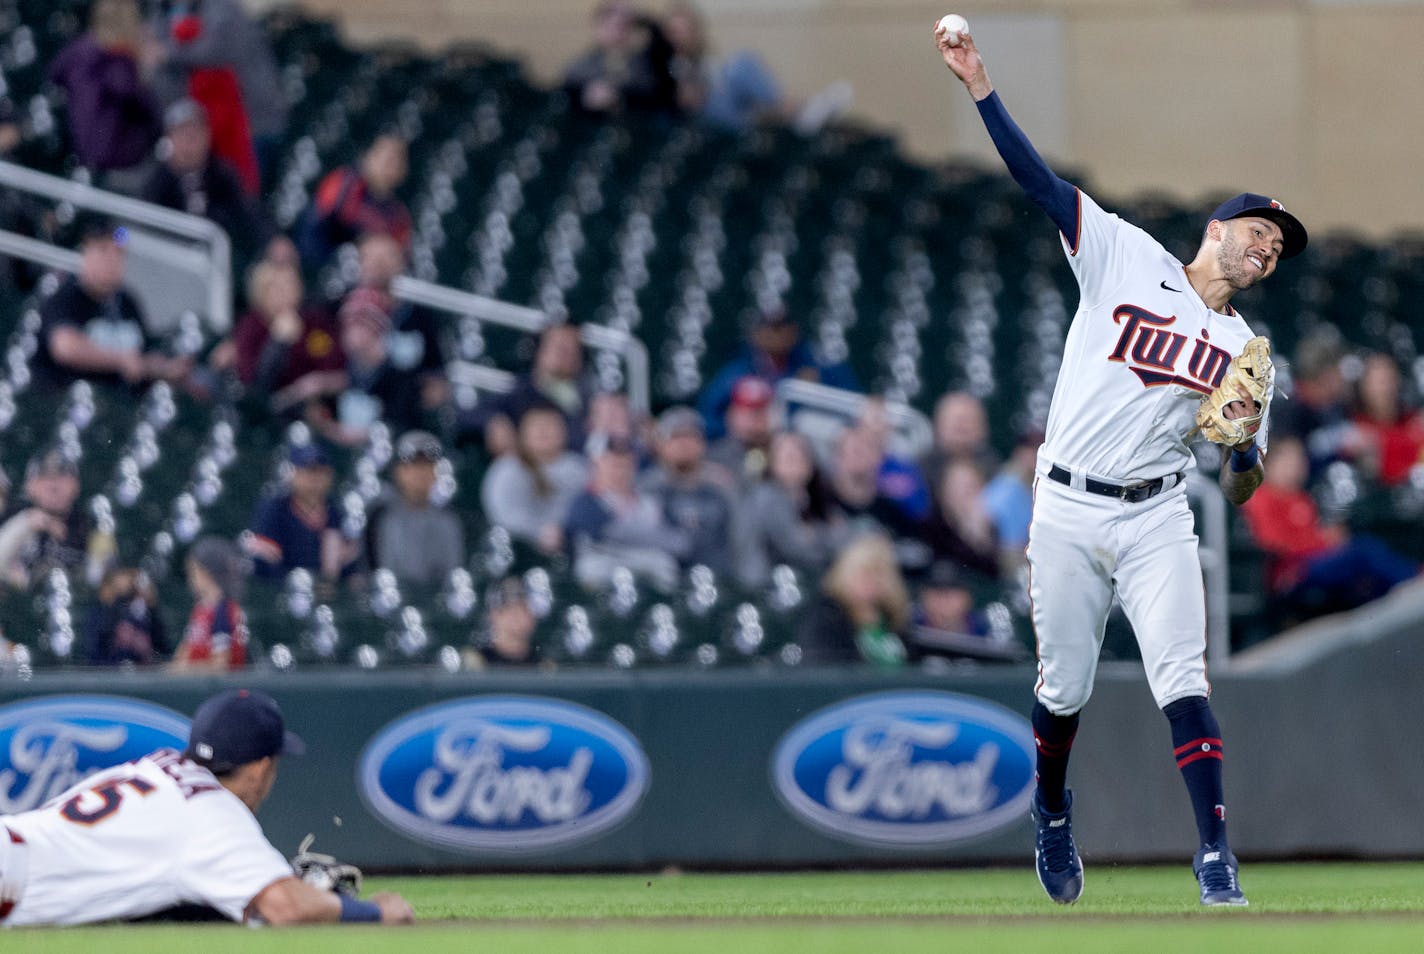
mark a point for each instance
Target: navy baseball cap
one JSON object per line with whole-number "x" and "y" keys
{"x": 308, "y": 455}
{"x": 1293, "y": 236}
{"x": 238, "y": 726}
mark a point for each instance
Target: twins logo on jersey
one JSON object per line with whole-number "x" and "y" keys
{"x": 1152, "y": 351}
{"x": 49, "y": 744}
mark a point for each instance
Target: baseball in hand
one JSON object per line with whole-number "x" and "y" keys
{"x": 954, "y": 27}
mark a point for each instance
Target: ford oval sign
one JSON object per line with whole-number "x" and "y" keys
{"x": 509, "y": 773}
{"x": 49, "y": 744}
{"x": 907, "y": 769}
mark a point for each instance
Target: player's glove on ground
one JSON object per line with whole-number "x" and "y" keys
{"x": 1250, "y": 371}
{"x": 324, "y": 871}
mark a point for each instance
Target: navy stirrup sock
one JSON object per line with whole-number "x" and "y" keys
{"x": 1196, "y": 742}
{"x": 1053, "y": 736}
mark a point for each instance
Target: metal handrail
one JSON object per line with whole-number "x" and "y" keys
{"x": 456, "y": 301}
{"x": 1214, "y": 554}
{"x": 910, "y": 422}
{"x": 143, "y": 213}
{"x": 50, "y": 256}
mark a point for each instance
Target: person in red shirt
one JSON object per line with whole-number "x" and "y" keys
{"x": 1306, "y": 554}
{"x": 1396, "y": 433}
{"x": 357, "y": 200}
{"x": 215, "y": 638}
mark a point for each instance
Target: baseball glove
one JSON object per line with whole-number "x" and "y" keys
{"x": 324, "y": 871}
{"x": 1248, "y": 372}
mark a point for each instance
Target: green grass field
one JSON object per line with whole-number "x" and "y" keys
{"x": 1353, "y": 908}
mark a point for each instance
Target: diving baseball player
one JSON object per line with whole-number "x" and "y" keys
{"x": 172, "y": 828}
{"x": 1151, "y": 338}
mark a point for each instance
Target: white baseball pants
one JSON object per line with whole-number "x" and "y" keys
{"x": 1083, "y": 548}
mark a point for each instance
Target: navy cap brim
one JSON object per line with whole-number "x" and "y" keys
{"x": 292, "y": 744}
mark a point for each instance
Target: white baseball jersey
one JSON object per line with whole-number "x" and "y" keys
{"x": 135, "y": 839}
{"x": 1141, "y": 353}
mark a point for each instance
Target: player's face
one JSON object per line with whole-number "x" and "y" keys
{"x": 1249, "y": 251}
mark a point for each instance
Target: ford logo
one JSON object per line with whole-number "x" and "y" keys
{"x": 53, "y": 742}
{"x": 508, "y": 773}
{"x": 907, "y": 769}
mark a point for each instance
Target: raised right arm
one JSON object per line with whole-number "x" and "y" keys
{"x": 1055, "y": 195}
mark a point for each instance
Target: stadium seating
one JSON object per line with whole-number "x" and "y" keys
{"x": 923, "y": 278}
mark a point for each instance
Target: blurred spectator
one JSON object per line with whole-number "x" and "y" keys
{"x": 356, "y": 200}
{"x": 742, "y": 450}
{"x": 508, "y": 637}
{"x": 415, "y": 538}
{"x": 1316, "y": 566}
{"x": 11, "y": 132}
{"x": 790, "y": 512}
{"x": 628, "y": 67}
{"x": 738, "y": 91}
{"x": 528, "y": 491}
{"x": 961, "y": 432}
{"x": 375, "y": 389}
{"x": 414, "y": 338}
{"x": 1317, "y": 412}
{"x": 863, "y": 610}
{"x": 301, "y": 527}
{"x": 696, "y": 496}
{"x": 92, "y": 328}
{"x": 959, "y": 529}
{"x": 1008, "y": 498}
{"x": 189, "y": 178}
{"x": 114, "y": 120}
{"x": 855, "y": 485}
{"x": 44, "y": 530}
{"x": 899, "y": 479}
{"x": 220, "y": 35}
{"x": 557, "y": 377}
{"x": 215, "y": 639}
{"x": 197, "y": 60}
{"x": 284, "y": 350}
{"x": 610, "y": 415}
{"x": 947, "y": 623}
{"x": 774, "y": 350}
{"x": 124, "y": 626}
{"x": 611, "y": 524}
{"x": 946, "y": 605}
{"x": 1394, "y": 434}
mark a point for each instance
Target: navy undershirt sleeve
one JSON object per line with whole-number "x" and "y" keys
{"x": 1056, "y": 196}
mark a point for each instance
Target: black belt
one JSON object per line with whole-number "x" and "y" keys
{"x": 1132, "y": 493}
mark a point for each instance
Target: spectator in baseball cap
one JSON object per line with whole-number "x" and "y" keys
{"x": 44, "y": 529}
{"x": 750, "y": 426}
{"x": 300, "y": 527}
{"x": 412, "y": 533}
{"x": 773, "y": 351}
{"x": 697, "y": 496}
{"x": 376, "y": 389}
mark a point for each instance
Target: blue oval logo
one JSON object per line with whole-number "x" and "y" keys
{"x": 907, "y": 769}
{"x": 49, "y": 744}
{"x": 505, "y": 773}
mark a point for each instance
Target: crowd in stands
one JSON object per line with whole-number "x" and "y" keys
{"x": 183, "y": 109}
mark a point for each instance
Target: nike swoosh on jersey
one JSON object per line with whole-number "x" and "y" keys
{"x": 1170, "y": 288}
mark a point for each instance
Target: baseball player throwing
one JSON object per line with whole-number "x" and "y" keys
{"x": 1147, "y": 363}
{"x": 169, "y": 829}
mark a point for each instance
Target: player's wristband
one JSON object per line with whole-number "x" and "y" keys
{"x": 1242, "y": 461}
{"x": 356, "y": 910}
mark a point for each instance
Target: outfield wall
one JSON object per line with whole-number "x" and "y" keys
{"x": 641, "y": 769}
